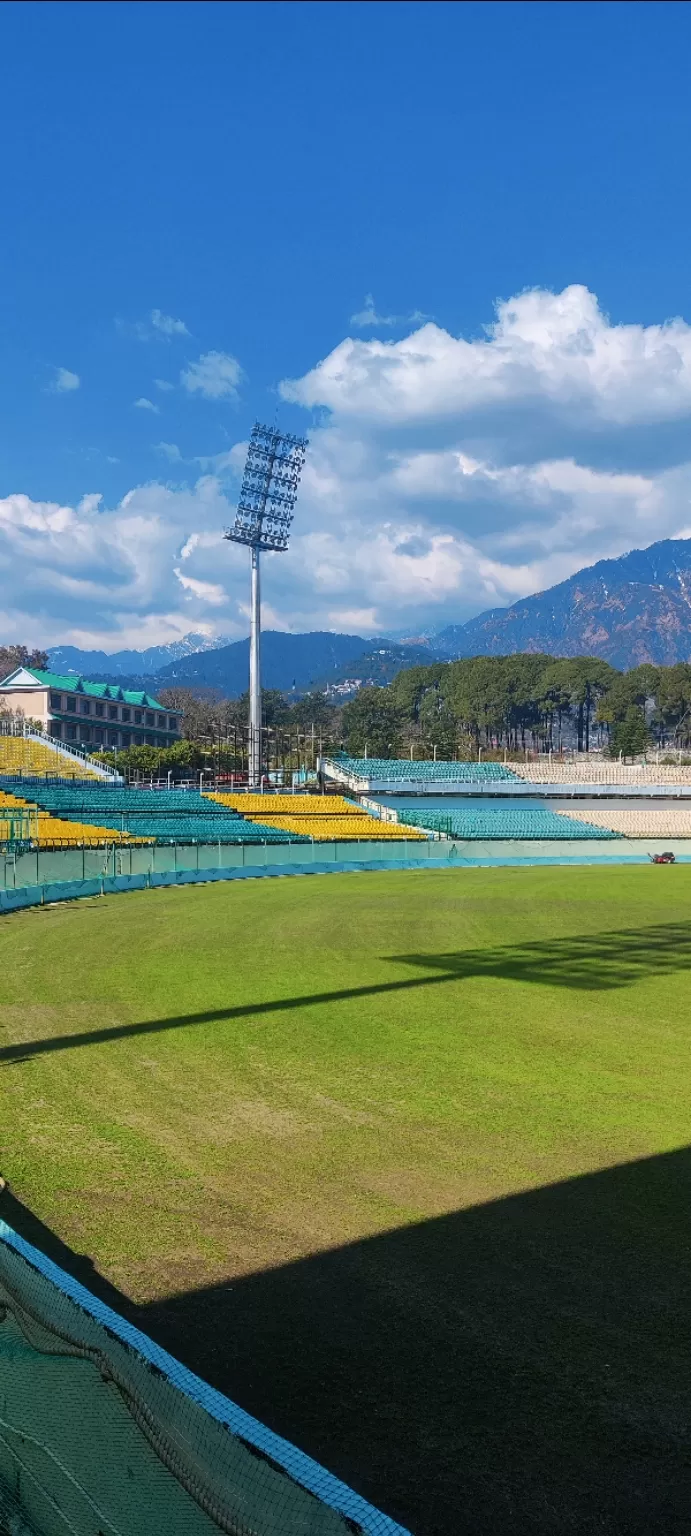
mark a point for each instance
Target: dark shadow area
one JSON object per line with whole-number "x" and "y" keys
{"x": 10, "y": 1053}
{"x": 79, "y": 1265}
{"x": 585, "y": 962}
{"x": 520, "y": 1367}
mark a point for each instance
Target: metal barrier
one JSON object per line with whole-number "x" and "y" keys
{"x": 43, "y": 866}
{"x": 102, "y": 1431}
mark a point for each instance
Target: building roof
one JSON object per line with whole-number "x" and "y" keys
{"x": 23, "y": 676}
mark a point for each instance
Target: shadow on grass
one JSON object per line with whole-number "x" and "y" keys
{"x": 585, "y": 962}
{"x": 520, "y": 1368}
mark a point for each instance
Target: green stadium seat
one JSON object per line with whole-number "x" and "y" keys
{"x": 402, "y": 770}
{"x": 510, "y": 823}
{"x": 180, "y": 816}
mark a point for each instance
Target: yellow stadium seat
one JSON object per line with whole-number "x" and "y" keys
{"x": 47, "y": 831}
{"x": 326, "y": 818}
{"x": 19, "y": 754}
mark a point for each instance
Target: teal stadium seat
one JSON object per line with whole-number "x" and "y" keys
{"x": 511, "y": 823}
{"x": 169, "y": 816}
{"x": 402, "y": 770}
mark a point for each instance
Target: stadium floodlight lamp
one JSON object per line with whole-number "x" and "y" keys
{"x": 262, "y": 521}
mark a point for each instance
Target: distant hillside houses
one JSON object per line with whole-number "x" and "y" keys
{"x": 86, "y": 714}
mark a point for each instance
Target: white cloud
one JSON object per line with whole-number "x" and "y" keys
{"x": 157, "y": 327}
{"x": 543, "y": 350}
{"x": 232, "y": 459}
{"x": 216, "y": 376}
{"x": 64, "y": 382}
{"x": 147, "y": 405}
{"x": 368, "y": 316}
{"x": 206, "y": 591}
{"x": 566, "y": 440}
{"x": 163, "y": 385}
{"x": 167, "y": 325}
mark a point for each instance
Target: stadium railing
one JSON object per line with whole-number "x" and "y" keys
{"x": 102, "y": 1431}
{"x": 363, "y": 772}
{"x": 39, "y": 747}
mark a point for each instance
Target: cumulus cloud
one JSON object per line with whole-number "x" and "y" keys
{"x": 169, "y": 451}
{"x": 142, "y": 404}
{"x": 91, "y": 571}
{"x": 64, "y": 381}
{"x": 158, "y": 327}
{"x": 216, "y": 376}
{"x": 230, "y": 461}
{"x": 444, "y": 476}
{"x": 206, "y": 591}
{"x": 368, "y": 316}
{"x": 543, "y": 349}
{"x": 167, "y": 325}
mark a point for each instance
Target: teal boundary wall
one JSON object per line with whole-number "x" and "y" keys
{"x": 44, "y": 867}
{"x": 96, "y": 881}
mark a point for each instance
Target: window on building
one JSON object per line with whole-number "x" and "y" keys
{"x": 98, "y": 733}
{"x": 71, "y": 702}
{"x": 55, "y": 728}
{"x": 71, "y": 732}
{"x": 172, "y": 723}
{"x": 125, "y": 714}
{"x": 56, "y": 701}
{"x": 112, "y": 711}
{"x": 113, "y": 738}
{"x": 162, "y": 722}
{"x": 98, "y": 709}
{"x": 86, "y": 707}
{"x": 137, "y": 717}
{"x": 125, "y": 738}
{"x": 86, "y": 733}
{"x": 150, "y": 720}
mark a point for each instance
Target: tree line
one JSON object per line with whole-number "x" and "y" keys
{"x": 215, "y": 735}
{"x": 13, "y": 656}
{"x": 493, "y": 704}
{"x": 514, "y": 703}
{"x": 489, "y": 703}
{"x": 503, "y": 704}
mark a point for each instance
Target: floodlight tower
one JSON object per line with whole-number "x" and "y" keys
{"x": 264, "y": 514}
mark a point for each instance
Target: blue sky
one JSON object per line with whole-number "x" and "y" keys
{"x": 206, "y": 195}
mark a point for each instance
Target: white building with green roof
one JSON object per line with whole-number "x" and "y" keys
{"x": 95, "y": 716}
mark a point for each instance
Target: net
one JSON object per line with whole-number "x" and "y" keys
{"x": 102, "y": 1433}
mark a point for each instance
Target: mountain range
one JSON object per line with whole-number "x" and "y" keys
{"x": 288, "y": 662}
{"x": 628, "y": 610}
{"x": 68, "y": 659}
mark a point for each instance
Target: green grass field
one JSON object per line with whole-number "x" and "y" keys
{"x": 398, "y": 1161}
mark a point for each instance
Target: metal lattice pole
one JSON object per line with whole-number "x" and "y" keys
{"x": 255, "y": 741}
{"x": 262, "y": 521}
